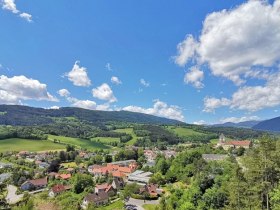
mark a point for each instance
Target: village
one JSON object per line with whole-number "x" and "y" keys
{"x": 106, "y": 177}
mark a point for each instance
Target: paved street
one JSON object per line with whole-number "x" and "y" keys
{"x": 139, "y": 203}
{"x": 12, "y": 197}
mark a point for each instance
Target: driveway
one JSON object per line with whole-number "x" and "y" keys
{"x": 12, "y": 197}
{"x": 139, "y": 203}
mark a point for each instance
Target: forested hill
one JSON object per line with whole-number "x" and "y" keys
{"x": 269, "y": 125}
{"x": 24, "y": 115}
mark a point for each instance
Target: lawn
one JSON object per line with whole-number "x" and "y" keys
{"x": 128, "y": 131}
{"x": 118, "y": 205}
{"x": 16, "y": 144}
{"x": 69, "y": 165}
{"x": 105, "y": 140}
{"x": 82, "y": 143}
{"x": 180, "y": 131}
{"x": 150, "y": 206}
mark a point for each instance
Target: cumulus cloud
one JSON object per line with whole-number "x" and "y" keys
{"x": 233, "y": 42}
{"x": 211, "y": 103}
{"x": 239, "y": 119}
{"x": 10, "y": 5}
{"x": 78, "y": 75}
{"x": 54, "y": 107}
{"x": 250, "y": 98}
{"x": 63, "y": 92}
{"x": 144, "y": 83}
{"x": 194, "y": 77}
{"x": 116, "y": 80}
{"x": 17, "y": 88}
{"x": 200, "y": 122}
{"x": 160, "y": 109}
{"x": 26, "y": 16}
{"x": 86, "y": 104}
{"x": 104, "y": 92}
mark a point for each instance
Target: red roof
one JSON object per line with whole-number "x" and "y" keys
{"x": 65, "y": 176}
{"x": 239, "y": 143}
{"x": 38, "y": 182}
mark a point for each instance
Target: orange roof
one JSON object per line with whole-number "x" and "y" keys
{"x": 239, "y": 143}
{"x": 65, "y": 176}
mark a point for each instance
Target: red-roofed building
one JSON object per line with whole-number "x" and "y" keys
{"x": 64, "y": 176}
{"x": 105, "y": 188}
{"x": 58, "y": 189}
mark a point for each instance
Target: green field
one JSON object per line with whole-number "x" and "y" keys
{"x": 81, "y": 143}
{"x": 105, "y": 140}
{"x": 182, "y": 132}
{"x": 150, "y": 206}
{"x": 16, "y": 144}
{"x": 118, "y": 205}
{"x": 128, "y": 131}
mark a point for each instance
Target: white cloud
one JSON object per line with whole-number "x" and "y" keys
{"x": 63, "y": 92}
{"x": 186, "y": 50}
{"x": 86, "y": 104}
{"x": 104, "y": 92}
{"x": 78, "y": 75}
{"x": 17, "y": 88}
{"x": 144, "y": 83}
{"x": 10, "y": 5}
{"x": 26, "y": 16}
{"x": 210, "y": 103}
{"x": 239, "y": 119}
{"x": 250, "y": 98}
{"x": 116, "y": 80}
{"x": 233, "y": 42}
{"x": 200, "y": 122}
{"x": 194, "y": 77}
{"x": 108, "y": 67}
{"x": 160, "y": 109}
{"x": 54, "y": 107}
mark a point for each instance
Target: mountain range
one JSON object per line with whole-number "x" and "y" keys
{"x": 28, "y": 116}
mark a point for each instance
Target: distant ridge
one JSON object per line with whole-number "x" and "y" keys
{"x": 245, "y": 124}
{"x": 25, "y": 115}
{"x": 269, "y": 125}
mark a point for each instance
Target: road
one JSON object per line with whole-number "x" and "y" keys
{"x": 139, "y": 203}
{"x": 12, "y": 197}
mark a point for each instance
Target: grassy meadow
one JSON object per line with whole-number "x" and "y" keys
{"x": 82, "y": 143}
{"x": 16, "y": 144}
{"x": 128, "y": 131}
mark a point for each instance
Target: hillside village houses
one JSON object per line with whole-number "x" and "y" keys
{"x": 246, "y": 144}
{"x": 122, "y": 172}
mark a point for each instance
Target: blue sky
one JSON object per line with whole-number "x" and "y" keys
{"x": 196, "y": 61}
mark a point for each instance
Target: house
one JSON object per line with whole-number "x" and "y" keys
{"x": 44, "y": 165}
{"x": 233, "y": 144}
{"x": 58, "y": 189}
{"x": 151, "y": 189}
{"x": 63, "y": 176}
{"x": 4, "y": 177}
{"x": 5, "y": 165}
{"x": 118, "y": 183}
{"x": 108, "y": 188}
{"x": 213, "y": 157}
{"x": 35, "y": 184}
{"x": 97, "y": 199}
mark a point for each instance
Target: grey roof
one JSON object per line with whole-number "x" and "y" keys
{"x": 140, "y": 176}
{"x": 4, "y": 177}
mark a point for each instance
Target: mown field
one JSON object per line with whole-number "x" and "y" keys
{"x": 183, "y": 132}
{"x": 128, "y": 131}
{"x": 16, "y": 144}
{"x": 81, "y": 143}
